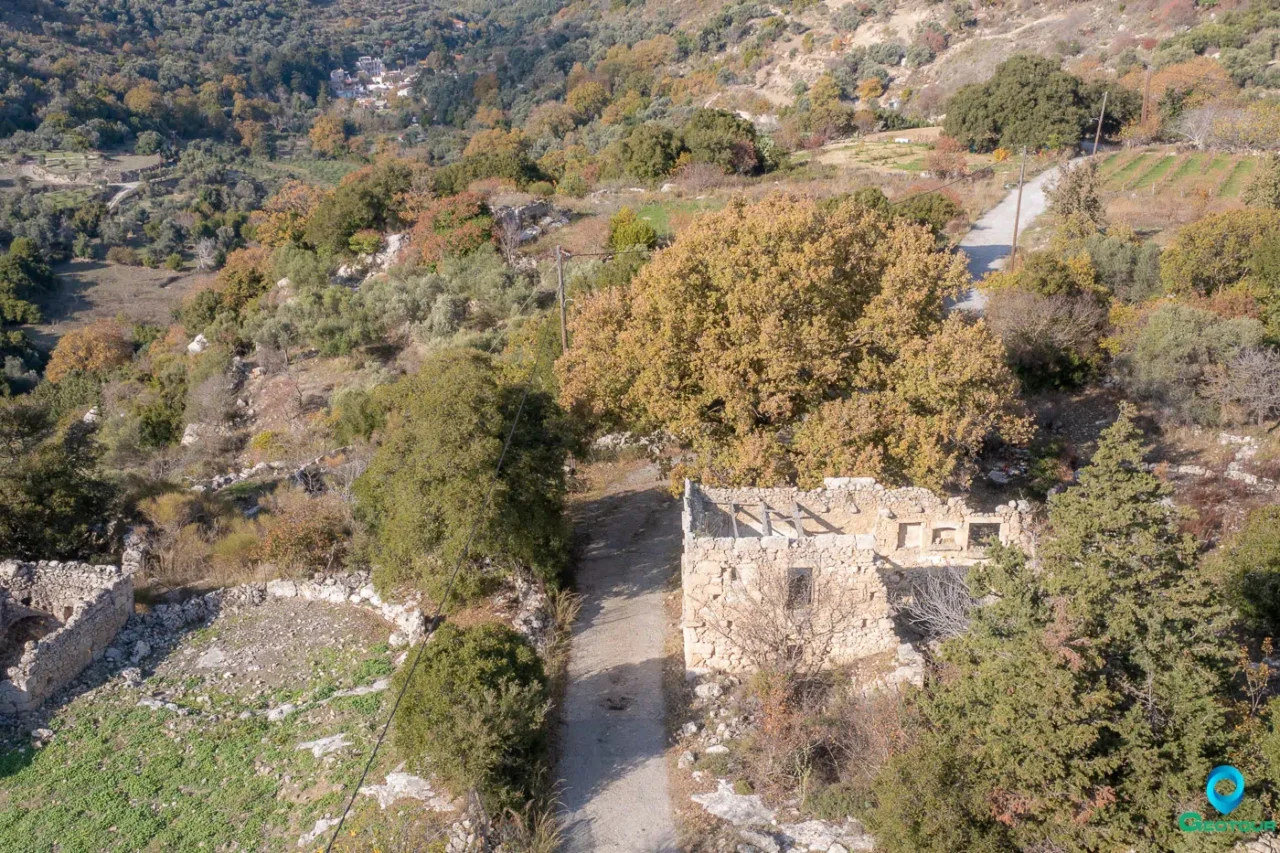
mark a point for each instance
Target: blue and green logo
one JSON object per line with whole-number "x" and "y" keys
{"x": 1225, "y": 804}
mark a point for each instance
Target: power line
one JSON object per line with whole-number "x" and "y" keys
{"x": 435, "y": 619}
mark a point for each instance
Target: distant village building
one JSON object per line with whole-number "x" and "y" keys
{"x": 371, "y": 66}
{"x": 842, "y": 556}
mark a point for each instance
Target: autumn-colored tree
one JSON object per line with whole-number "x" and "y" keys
{"x": 947, "y": 159}
{"x": 305, "y": 533}
{"x": 788, "y": 340}
{"x": 283, "y": 218}
{"x": 870, "y": 88}
{"x": 96, "y": 347}
{"x": 497, "y": 142}
{"x": 446, "y": 227}
{"x": 1216, "y": 252}
{"x": 588, "y": 99}
{"x": 328, "y": 135}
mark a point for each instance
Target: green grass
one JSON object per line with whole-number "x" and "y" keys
{"x": 1188, "y": 168}
{"x": 1238, "y": 178}
{"x": 1112, "y": 162}
{"x": 658, "y": 214}
{"x": 118, "y": 777}
{"x": 1217, "y": 166}
{"x": 325, "y": 172}
{"x": 1120, "y": 178}
{"x": 1155, "y": 171}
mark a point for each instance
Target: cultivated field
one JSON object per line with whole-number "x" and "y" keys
{"x": 1154, "y": 189}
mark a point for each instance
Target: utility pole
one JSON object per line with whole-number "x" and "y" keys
{"x": 1017, "y": 210}
{"x": 1146, "y": 97}
{"x": 1097, "y": 137}
{"x": 564, "y": 329}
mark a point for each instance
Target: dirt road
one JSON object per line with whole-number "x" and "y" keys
{"x": 612, "y": 768}
{"x": 988, "y": 242}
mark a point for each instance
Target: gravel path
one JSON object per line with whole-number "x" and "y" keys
{"x": 612, "y": 768}
{"x": 988, "y": 241}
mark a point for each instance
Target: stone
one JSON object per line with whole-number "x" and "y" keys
{"x": 997, "y": 476}
{"x": 198, "y": 345}
{"x": 760, "y": 841}
{"x": 686, "y": 760}
{"x": 275, "y": 715}
{"x": 709, "y": 690}
{"x": 79, "y": 609}
{"x": 689, "y": 729}
{"x": 717, "y": 749}
{"x": 325, "y": 745}
{"x": 741, "y": 810}
{"x": 400, "y": 784}
{"x": 141, "y": 650}
{"x": 131, "y": 675}
{"x": 322, "y": 827}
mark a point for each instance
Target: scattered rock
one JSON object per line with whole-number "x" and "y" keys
{"x": 198, "y": 345}
{"x": 686, "y": 759}
{"x": 717, "y": 749}
{"x": 738, "y": 809}
{"x": 275, "y": 715}
{"x": 709, "y": 690}
{"x": 400, "y": 784}
{"x": 141, "y": 650}
{"x": 323, "y": 825}
{"x": 689, "y": 729}
{"x": 325, "y": 745}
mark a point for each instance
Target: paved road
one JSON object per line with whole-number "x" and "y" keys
{"x": 988, "y": 241}
{"x": 612, "y": 768}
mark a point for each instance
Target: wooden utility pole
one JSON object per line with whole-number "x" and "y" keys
{"x": 564, "y": 328}
{"x": 1017, "y": 210}
{"x": 1097, "y": 137}
{"x": 1146, "y": 97}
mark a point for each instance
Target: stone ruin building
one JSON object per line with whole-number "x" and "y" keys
{"x": 55, "y": 618}
{"x": 854, "y": 543}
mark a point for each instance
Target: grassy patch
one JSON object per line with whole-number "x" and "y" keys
{"x": 1188, "y": 168}
{"x": 666, "y": 216}
{"x": 1237, "y": 178}
{"x": 1155, "y": 171}
{"x": 120, "y": 777}
{"x": 1120, "y": 178}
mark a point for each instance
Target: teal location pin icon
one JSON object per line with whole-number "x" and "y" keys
{"x": 1225, "y": 803}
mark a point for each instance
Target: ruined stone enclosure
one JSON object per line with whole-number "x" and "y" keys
{"x": 55, "y": 618}
{"x": 813, "y": 576}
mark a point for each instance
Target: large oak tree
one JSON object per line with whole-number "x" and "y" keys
{"x": 792, "y": 340}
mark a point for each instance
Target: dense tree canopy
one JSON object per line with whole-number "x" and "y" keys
{"x": 1089, "y": 699}
{"x": 786, "y": 340}
{"x": 427, "y": 482}
{"x": 1030, "y": 101}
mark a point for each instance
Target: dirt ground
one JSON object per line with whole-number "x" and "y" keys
{"x": 96, "y": 290}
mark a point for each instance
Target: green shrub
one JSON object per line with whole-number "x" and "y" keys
{"x": 421, "y": 494}
{"x": 353, "y": 415}
{"x": 838, "y": 801}
{"x": 124, "y": 256}
{"x": 475, "y": 713}
{"x": 627, "y": 230}
{"x": 1250, "y": 564}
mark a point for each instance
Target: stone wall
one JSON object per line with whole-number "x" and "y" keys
{"x": 91, "y": 603}
{"x": 853, "y": 541}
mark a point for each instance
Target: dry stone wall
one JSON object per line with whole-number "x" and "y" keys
{"x": 91, "y": 603}
{"x": 853, "y": 541}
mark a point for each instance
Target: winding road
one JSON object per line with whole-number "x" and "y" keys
{"x": 613, "y": 769}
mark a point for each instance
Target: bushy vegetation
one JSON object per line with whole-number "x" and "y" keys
{"x": 475, "y": 713}
{"x": 428, "y": 481}
{"x": 746, "y": 337}
{"x": 1031, "y": 101}
{"x": 1087, "y": 697}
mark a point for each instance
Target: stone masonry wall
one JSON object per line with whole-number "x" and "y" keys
{"x": 91, "y": 602}
{"x": 853, "y": 534}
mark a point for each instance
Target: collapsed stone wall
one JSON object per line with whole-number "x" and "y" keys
{"x": 89, "y": 603}
{"x": 854, "y": 542}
